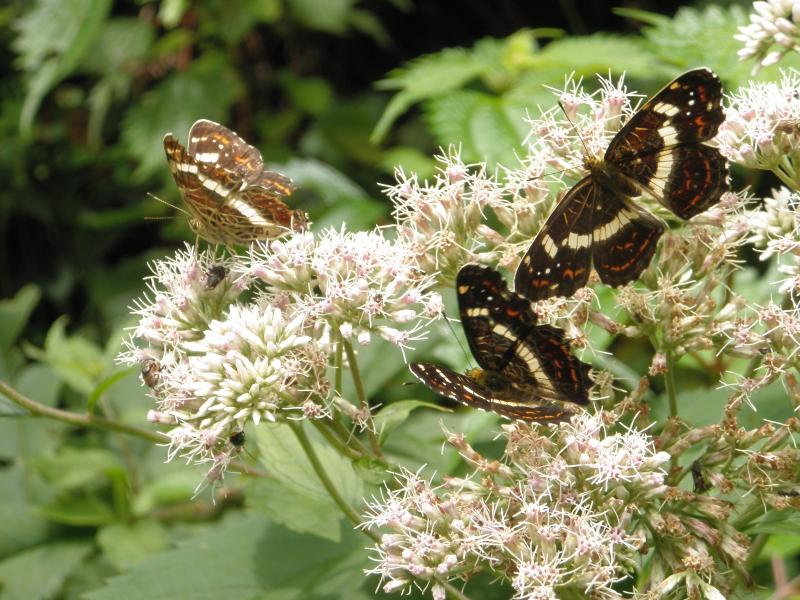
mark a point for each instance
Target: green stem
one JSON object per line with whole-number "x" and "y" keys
{"x": 41, "y": 410}
{"x": 337, "y": 375}
{"x": 453, "y": 591}
{"x": 755, "y": 549}
{"x": 334, "y": 440}
{"x": 348, "y": 510}
{"x": 669, "y": 383}
{"x": 362, "y": 397}
{"x": 752, "y": 511}
{"x": 37, "y": 409}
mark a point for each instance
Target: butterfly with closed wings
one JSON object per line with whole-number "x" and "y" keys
{"x": 526, "y": 369}
{"x": 658, "y": 152}
{"x": 232, "y": 199}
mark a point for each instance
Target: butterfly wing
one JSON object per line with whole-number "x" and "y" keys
{"x": 660, "y": 146}
{"x": 214, "y": 146}
{"x": 466, "y": 390}
{"x": 624, "y": 239}
{"x": 493, "y": 318}
{"x": 559, "y": 258}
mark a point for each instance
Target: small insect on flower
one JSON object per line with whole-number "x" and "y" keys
{"x": 659, "y": 152}
{"x": 151, "y": 374}
{"x": 237, "y": 439}
{"x": 231, "y": 198}
{"x": 525, "y": 366}
{"x": 214, "y": 276}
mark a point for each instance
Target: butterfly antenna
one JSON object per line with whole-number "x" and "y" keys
{"x": 175, "y": 206}
{"x": 575, "y": 127}
{"x": 458, "y": 339}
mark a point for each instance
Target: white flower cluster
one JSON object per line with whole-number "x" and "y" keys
{"x": 561, "y": 514}
{"x": 774, "y": 24}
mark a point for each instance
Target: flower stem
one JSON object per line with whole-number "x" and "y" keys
{"x": 334, "y": 440}
{"x": 36, "y": 409}
{"x": 348, "y": 510}
{"x": 362, "y": 397}
{"x": 669, "y": 384}
{"x": 453, "y": 591}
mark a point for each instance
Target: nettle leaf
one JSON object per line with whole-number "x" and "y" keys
{"x": 207, "y": 89}
{"x": 292, "y": 494}
{"x": 426, "y": 77}
{"x": 245, "y": 556}
{"x": 40, "y": 573}
{"x": 14, "y": 314}
{"x": 597, "y": 53}
{"x": 79, "y": 362}
{"x": 126, "y": 545}
{"x": 392, "y": 416}
{"x": 487, "y": 128}
{"x": 332, "y": 16}
{"x": 52, "y": 40}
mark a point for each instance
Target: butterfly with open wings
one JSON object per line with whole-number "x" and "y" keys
{"x": 231, "y": 197}
{"x": 526, "y": 369}
{"x": 658, "y": 152}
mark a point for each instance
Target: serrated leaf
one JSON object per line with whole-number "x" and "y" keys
{"x": 486, "y": 128}
{"x": 206, "y": 89}
{"x": 245, "y": 556}
{"x": 391, "y": 416}
{"x": 587, "y": 55}
{"x": 53, "y": 38}
{"x": 127, "y": 545}
{"x": 14, "y": 314}
{"x": 74, "y": 468}
{"x": 283, "y": 458}
{"x": 40, "y": 573}
{"x": 426, "y": 77}
{"x": 77, "y": 361}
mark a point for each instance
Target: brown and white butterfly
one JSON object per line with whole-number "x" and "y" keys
{"x": 659, "y": 153}
{"x": 232, "y": 199}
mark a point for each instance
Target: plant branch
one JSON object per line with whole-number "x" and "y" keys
{"x": 362, "y": 397}
{"x": 348, "y": 510}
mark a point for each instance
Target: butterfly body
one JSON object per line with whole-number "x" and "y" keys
{"x": 526, "y": 370}
{"x": 659, "y": 153}
{"x": 230, "y": 196}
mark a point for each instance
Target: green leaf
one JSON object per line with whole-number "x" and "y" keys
{"x": 73, "y": 468}
{"x": 311, "y": 509}
{"x": 53, "y": 38}
{"x": 588, "y": 55}
{"x": 312, "y": 95}
{"x": 80, "y": 510}
{"x": 206, "y": 89}
{"x": 426, "y": 77}
{"x": 332, "y": 16}
{"x": 391, "y": 416}
{"x": 40, "y": 573}
{"x": 487, "y": 128}
{"x": 242, "y": 557}
{"x": 127, "y": 545}
{"x": 76, "y": 360}
{"x": 410, "y": 160}
{"x": 15, "y": 312}
{"x": 22, "y": 526}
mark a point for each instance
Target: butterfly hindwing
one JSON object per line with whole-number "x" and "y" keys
{"x": 464, "y": 389}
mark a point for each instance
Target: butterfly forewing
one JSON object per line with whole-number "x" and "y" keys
{"x": 222, "y": 180}
{"x": 525, "y": 367}
{"x": 658, "y": 151}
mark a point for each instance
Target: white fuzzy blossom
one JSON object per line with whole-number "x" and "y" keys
{"x": 774, "y": 30}
{"x": 563, "y": 513}
{"x": 353, "y": 284}
{"x": 762, "y": 127}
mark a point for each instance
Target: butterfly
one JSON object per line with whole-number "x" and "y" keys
{"x": 524, "y": 366}
{"x": 659, "y": 152}
{"x": 231, "y": 198}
